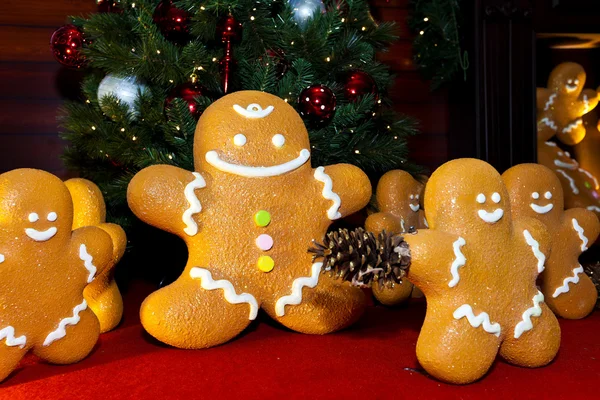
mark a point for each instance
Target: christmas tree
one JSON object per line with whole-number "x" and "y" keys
{"x": 154, "y": 66}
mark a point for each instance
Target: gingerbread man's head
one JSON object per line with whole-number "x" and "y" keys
{"x": 567, "y": 79}
{"x": 35, "y": 208}
{"x": 251, "y": 134}
{"x": 465, "y": 196}
{"x": 399, "y": 192}
{"x": 535, "y": 192}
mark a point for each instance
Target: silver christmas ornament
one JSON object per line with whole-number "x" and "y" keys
{"x": 303, "y": 10}
{"x": 126, "y": 89}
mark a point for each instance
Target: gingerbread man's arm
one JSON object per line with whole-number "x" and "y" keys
{"x": 383, "y": 221}
{"x": 423, "y": 224}
{"x": 542, "y": 99}
{"x": 166, "y": 197}
{"x": 91, "y": 252}
{"x": 588, "y": 100}
{"x": 583, "y": 223}
{"x": 535, "y": 237}
{"x": 350, "y": 183}
{"x": 436, "y": 259}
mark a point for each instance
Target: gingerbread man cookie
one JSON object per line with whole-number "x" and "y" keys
{"x": 536, "y": 192}
{"x": 478, "y": 268}
{"x": 102, "y": 295}
{"x": 562, "y": 105}
{"x": 247, "y": 214}
{"x": 586, "y": 151}
{"x": 45, "y": 267}
{"x": 398, "y": 199}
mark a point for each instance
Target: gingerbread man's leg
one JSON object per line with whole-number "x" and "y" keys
{"x": 221, "y": 311}
{"x": 327, "y": 307}
{"x": 10, "y": 356}
{"x": 71, "y": 339}
{"x": 453, "y": 350}
{"x": 535, "y": 347}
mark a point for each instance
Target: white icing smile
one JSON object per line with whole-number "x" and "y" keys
{"x": 414, "y": 207}
{"x": 212, "y": 157}
{"x": 491, "y": 217}
{"x": 572, "y": 85}
{"x": 561, "y": 164}
{"x": 41, "y": 236}
{"x": 542, "y": 209}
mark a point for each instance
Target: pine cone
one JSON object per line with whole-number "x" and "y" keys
{"x": 361, "y": 258}
{"x": 593, "y": 271}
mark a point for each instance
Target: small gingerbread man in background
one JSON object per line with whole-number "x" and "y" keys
{"x": 89, "y": 209}
{"x": 586, "y": 151}
{"x": 45, "y": 267}
{"x": 478, "y": 269}
{"x": 536, "y": 192}
{"x": 247, "y": 214}
{"x": 398, "y": 199}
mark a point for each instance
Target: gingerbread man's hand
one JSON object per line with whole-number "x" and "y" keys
{"x": 350, "y": 184}
{"x": 165, "y": 197}
{"x": 584, "y": 223}
{"x": 436, "y": 259}
{"x": 91, "y": 252}
{"x": 383, "y": 221}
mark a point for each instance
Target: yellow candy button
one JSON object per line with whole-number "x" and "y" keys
{"x": 265, "y": 263}
{"x": 262, "y": 218}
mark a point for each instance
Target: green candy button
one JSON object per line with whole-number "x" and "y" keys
{"x": 262, "y": 218}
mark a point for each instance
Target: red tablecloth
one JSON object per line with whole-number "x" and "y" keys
{"x": 373, "y": 359}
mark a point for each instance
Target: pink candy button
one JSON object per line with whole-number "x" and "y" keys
{"x": 264, "y": 242}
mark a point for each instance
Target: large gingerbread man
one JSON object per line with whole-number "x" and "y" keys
{"x": 398, "y": 199}
{"x": 45, "y": 267}
{"x": 536, "y": 192}
{"x": 102, "y": 295}
{"x": 248, "y": 214}
{"x": 477, "y": 268}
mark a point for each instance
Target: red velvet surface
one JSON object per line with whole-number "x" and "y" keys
{"x": 373, "y": 359}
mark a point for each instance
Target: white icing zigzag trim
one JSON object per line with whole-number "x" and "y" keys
{"x": 87, "y": 262}
{"x": 593, "y": 208}
{"x": 548, "y": 122}
{"x": 8, "y": 333}
{"x": 592, "y": 177}
{"x": 574, "y": 188}
{"x": 580, "y": 232}
{"x": 208, "y": 283}
{"x": 459, "y": 261}
{"x": 534, "y": 311}
{"x": 328, "y": 193}
{"x": 60, "y": 332}
{"x": 572, "y": 125}
{"x": 1, "y": 258}
{"x": 586, "y": 104}
{"x": 561, "y": 164}
{"x": 195, "y": 207}
{"x": 212, "y": 157}
{"x": 296, "y": 297}
{"x": 550, "y": 101}
{"x": 570, "y": 279}
{"x": 535, "y": 247}
{"x": 476, "y": 321}
{"x": 253, "y": 110}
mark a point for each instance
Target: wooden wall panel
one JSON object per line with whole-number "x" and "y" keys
{"x": 33, "y": 85}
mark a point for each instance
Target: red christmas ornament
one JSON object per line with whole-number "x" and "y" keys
{"x": 187, "y": 92}
{"x": 359, "y": 83}
{"x": 172, "y": 21}
{"x": 109, "y": 6}
{"x": 231, "y": 32}
{"x": 317, "y": 104}
{"x": 66, "y": 43}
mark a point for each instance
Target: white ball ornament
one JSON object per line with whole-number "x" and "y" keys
{"x": 303, "y": 10}
{"x": 126, "y": 89}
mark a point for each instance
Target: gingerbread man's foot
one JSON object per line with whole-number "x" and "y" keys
{"x": 10, "y": 356}
{"x": 454, "y": 350}
{"x": 535, "y": 347}
{"x": 391, "y": 296}
{"x": 72, "y": 339}
{"x": 197, "y": 311}
{"x": 576, "y": 303}
{"x": 326, "y": 308}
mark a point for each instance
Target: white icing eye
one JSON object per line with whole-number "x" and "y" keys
{"x": 417, "y": 197}
{"x": 560, "y": 153}
{"x": 567, "y": 154}
{"x": 548, "y": 195}
{"x": 535, "y": 195}
{"x": 239, "y": 140}
{"x": 496, "y": 197}
{"x": 569, "y": 81}
{"x": 412, "y": 196}
{"x": 278, "y": 140}
{"x": 52, "y": 216}
{"x": 576, "y": 81}
{"x": 480, "y": 198}
{"x": 33, "y": 217}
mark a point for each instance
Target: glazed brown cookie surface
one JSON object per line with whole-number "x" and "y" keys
{"x": 536, "y": 192}
{"x": 247, "y": 214}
